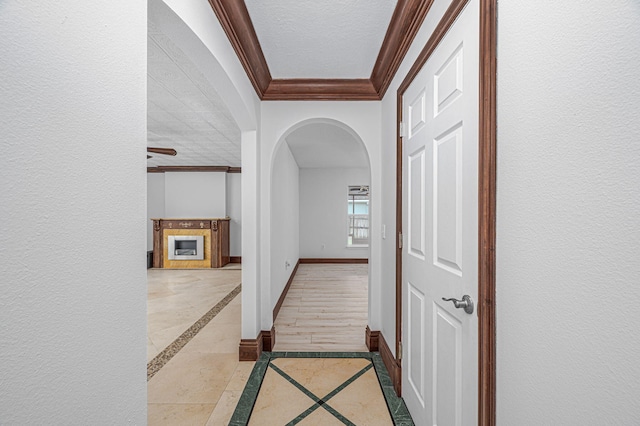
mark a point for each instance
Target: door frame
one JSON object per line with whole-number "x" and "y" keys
{"x": 486, "y": 198}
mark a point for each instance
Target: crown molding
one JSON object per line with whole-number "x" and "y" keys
{"x": 405, "y": 23}
{"x": 320, "y": 89}
{"x": 164, "y": 169}
{"x": 406, "y": 20}
{"x": 234, "y": 18}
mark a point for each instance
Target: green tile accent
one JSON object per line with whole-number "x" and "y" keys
{"x": 397, "y": 408}
{"x": 320, "y": 402}
{"x": 347, "y": 383}
{"x": 327, "y": 407}
{"x": 395, "y": 404}
{"x": 248, "y": 398}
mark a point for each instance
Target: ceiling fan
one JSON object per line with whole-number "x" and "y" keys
{"x": 163, "y": 151}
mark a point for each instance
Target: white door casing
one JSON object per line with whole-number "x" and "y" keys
{"x": 440, "y": 229}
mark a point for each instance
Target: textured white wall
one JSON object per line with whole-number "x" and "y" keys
{"x": 201, "y": 196}
{"x": 568, "y": 213}
{"x": 155, "y": 203}
{"x": 234, "y": 211}
{"x": 72, "y": 187}
{"x": 285, "y": 244}
{"x": 323, "y": 212}
{"x": 195, "y": 194}
{"x": 250, "y": 238}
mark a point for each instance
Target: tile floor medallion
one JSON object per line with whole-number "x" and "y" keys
{"x": 320, "y": 388}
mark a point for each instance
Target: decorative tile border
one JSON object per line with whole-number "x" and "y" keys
{"x": 170, "y": 351}
{"x": 397, "y": 408}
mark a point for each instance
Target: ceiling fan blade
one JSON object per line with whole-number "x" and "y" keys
{"x": 164, "y": 151}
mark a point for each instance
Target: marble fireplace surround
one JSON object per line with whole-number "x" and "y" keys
{"x": 216, "y": 241}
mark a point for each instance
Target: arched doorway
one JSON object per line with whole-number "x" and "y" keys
{"x": 320, "y": 186}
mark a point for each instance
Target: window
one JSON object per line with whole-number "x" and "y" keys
{"x": 358, "y": 216}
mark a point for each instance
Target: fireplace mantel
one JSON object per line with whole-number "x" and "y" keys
{"x": 216, "y": 241}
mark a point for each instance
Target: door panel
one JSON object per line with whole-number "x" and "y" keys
{"x": 448, "y": 81}
{"x": 447, "y": 367}
{"x": 416, "y": 204}
{"x": 447, "y": 200}
{"x": 416, "y": 346}
{"x": 440, "y": 221}
{"x": 417, "y": 113}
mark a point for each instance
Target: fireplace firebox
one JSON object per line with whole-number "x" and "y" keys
{"x": 186, "y": 247}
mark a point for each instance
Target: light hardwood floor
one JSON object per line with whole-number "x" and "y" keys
{"x": 325, "y": 309}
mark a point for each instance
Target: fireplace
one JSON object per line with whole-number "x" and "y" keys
{"x": 186, "y": 247}
{"x": 190, "y": 243}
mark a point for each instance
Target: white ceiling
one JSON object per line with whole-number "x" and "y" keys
{"x": 318, "y": 145}
{"x": 184, "y": 112}
{"x": 300, "y": 39}
{"x": 320, "y": 38}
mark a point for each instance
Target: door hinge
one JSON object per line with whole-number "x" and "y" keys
{"x": 399, "y": 357}
{"x": 401, "y": 129}
{"x": 400, "y": 240}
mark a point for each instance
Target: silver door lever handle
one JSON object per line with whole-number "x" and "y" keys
{"x": 466, "y": 303}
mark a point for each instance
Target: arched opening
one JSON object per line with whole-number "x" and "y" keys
{"x": 198, "y": 327}
{"x": 320, "y": 181}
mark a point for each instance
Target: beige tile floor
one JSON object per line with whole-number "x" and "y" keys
{"x": 202, "y": 383}
{"x": 360, "y": 402}
{"x": 177, "y": 298}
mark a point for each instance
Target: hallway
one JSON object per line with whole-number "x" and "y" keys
{"x": 194, "y": 376}
{"x": 325, "y": 310}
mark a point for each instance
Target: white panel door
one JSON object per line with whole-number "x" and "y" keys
{"x": 440, "y": 228}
